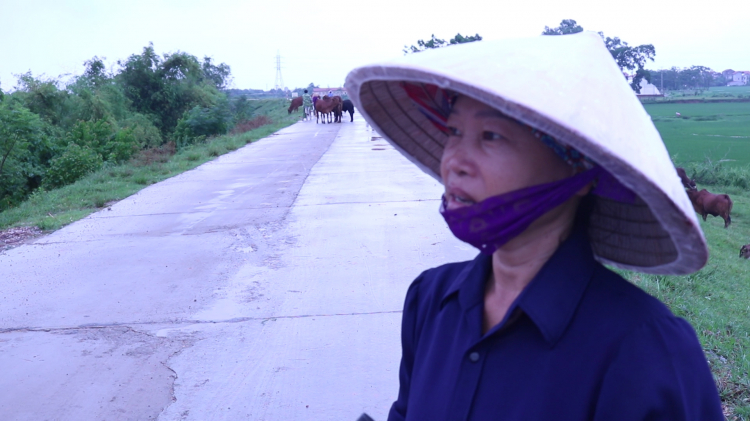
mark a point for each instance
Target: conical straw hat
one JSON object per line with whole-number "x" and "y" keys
{"x": 569, "y": 87}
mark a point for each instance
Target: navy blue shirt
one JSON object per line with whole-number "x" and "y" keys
{"x": 579, "y": 343}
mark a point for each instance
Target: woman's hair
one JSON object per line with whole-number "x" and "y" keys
{"x": 585, "y": 209}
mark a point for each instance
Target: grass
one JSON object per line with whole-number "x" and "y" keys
{"x": 716, "y": 301}
{"x": 51, "y": 210}
{"x": 714, "y": 130}
{"x": 712, "y": 142}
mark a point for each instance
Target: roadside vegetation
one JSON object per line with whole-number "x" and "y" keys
{"x": 50, "y": 210}
{"x": 712, "y": 142}
{"x": 69, "y": 147}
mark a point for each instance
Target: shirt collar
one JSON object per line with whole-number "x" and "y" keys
{"x": 550, "y": 299}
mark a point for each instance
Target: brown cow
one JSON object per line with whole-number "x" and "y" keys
{"x": 706, "y": 203}
{"x": 326, "y": 106}
{"x": 338, "y": 110}
{"x": 745, "y": 251}
{"x": 687, "y": 182}
{"x": 296, "y": 103}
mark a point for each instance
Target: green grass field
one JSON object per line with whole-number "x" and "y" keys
{"x": 715, "y": 300}
{"x": 715, "y": 93}
{"x": 714, "y": 130}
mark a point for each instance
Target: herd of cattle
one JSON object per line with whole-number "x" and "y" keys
{"x": 326, "y": 108}
{"x": 706, "y": 203}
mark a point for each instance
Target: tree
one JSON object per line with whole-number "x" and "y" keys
{"x": 219, "y": 76}
{"x": 95, "y": 74}
{"x": 42, "y": 96}
{"x": 434, "y": 42}
{"x": 18, "y": 126}
{"x": 631, "y": 58}
{"x": 627, "y": 57}
{"x": 19, "y": 136}
{"x": 567, "y": 26}
{"x": 169, "y": 86}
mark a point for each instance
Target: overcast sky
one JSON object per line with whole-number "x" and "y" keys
{"x": 320, "y": 41}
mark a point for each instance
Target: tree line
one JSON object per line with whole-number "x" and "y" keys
{"x": 54, "y": 132}
{"x": 632, "y": 59}
{"x": 635, "y": 58}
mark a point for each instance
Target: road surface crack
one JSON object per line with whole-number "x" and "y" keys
{"x": 189, "y": 322}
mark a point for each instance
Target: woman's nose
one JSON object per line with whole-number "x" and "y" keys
{"x": 457, "y": 161}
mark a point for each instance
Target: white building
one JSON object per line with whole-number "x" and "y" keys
{"x": 740, "y": 78}
{"x": 648, "y": 89}
{"x": 324, "y": 91}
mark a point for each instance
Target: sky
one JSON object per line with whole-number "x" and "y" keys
{"x": 321, "y": 41}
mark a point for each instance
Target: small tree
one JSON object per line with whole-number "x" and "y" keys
{"x": 18, "y": 126}
{"x": 567, "y": 26}
{"x": 434, "y": 42}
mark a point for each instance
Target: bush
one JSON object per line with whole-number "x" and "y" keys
{"x": 115, "y": 146}
{"x": 121, "y": 146}
{"x": 143, "y": 129}
{"x": 91, "y": 134}
{"x": 712, "y": 172}
{"x": 202, "y": 122}
{"x": 72, "y": 165}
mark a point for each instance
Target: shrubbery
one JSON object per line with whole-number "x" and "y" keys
{"x": 52, "y": 133}
{"x": 73, "y": 164}
{"x": 710, "y": 172}
{"x": 202, "y": 122}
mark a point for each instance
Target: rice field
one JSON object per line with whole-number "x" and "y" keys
{"x": 716, "y": 131}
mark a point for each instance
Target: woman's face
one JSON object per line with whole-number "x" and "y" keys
{"x": 488, "y": 154}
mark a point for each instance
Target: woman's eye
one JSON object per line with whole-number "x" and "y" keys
{"x": 487, "y": 135}
{"x": 454, "y": 131}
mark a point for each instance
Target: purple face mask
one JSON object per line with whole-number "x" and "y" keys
{"x": 490, "y": 224}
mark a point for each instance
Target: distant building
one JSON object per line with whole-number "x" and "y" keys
{"x": 324, "y": 91}
{"x": 740, "y": 78}
{"x": 648, "y": 89}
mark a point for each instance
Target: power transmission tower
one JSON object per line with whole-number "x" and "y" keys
{"x": 279, "y": 83}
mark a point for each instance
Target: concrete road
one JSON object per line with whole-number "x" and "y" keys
{"x": 265, "y": 285}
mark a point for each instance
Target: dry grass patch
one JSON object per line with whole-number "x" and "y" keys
{"x": 247, "y": 125}
{"x": 149, "y": 156}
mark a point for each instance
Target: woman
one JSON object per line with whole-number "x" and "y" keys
{"x": 549, "y": 174}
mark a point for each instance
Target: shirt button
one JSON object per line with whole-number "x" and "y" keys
{"x": 474, "y": 357}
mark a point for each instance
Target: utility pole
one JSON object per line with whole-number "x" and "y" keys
{"x": 279, "y": 83}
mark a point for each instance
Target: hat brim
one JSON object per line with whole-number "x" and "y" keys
{"x": 659, "y": 233}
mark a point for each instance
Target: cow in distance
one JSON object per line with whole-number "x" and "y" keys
{"x": 296, "y": 103}
{"x": 348, "y": 106}
{"x": 706, "y": 203}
